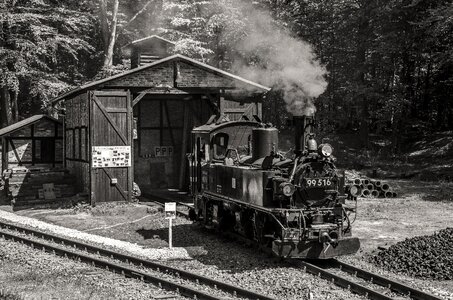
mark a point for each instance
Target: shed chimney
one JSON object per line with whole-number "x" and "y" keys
{"x": 147, "y": 50}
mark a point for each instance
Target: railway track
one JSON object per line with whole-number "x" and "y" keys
{"x": 179, "y": 281}
{"x": 181, "y": 208}
{"x": 360, "y": 281}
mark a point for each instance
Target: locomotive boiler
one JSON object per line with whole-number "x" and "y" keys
{"x": 242, "y": 183}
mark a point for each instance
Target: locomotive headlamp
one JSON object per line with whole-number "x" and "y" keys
{"x": 355, "y": 191}
{"x": 287, "y": 189}
{"x": 325, "y": 150}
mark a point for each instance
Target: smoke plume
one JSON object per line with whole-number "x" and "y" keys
{"x": 282, "y": 62}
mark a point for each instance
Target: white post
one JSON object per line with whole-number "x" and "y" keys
{"x": 170, "y": 237}
{"x": 170, "y": 214}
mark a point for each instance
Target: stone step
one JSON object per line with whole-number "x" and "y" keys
{"x": 28, "y": 198}
{"x": 31, "y": 185}
{"x": 59, "y": 191}
{"x": 44, "y": 179}
{"x": 43, "y": 204}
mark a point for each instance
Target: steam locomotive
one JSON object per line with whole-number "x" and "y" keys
{"x": 241, "y": 183}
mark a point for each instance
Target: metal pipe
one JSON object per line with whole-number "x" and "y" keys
{"x": 366, "y": 193}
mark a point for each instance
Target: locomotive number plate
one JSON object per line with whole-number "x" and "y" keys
{"x": 318, "y": 182}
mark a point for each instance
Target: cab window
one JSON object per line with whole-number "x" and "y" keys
{"x": 220, "y": 145}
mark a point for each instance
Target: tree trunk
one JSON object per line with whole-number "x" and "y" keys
{"x": 108, "y": 60}
{"x": 15, "y": 107}
{"x": 104, "y": 24}
{"x": 397, "y": 133}
{"x": 5, "y": 108}
{"x": 450, "y": 114}
{"x": 362, "y": 42}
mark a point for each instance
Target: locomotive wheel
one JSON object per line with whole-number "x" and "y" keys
{"x": 248, "y": 224}
{"x": 226, "y": 222}
{"x": 263, "y": 230}
{"x": 192, "y": 215}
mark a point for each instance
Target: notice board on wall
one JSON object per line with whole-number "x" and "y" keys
{"x": 111, "y": 156}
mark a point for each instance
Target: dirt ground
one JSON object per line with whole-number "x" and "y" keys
{"x": 423, "y": 208}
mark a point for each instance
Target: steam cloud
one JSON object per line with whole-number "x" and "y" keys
{"x": 285, "y": 63}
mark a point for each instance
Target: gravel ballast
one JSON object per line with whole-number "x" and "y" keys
{"x": 429, "y": 256}
{"x": 28, "y": 273}
{"x": 153, "y": 254}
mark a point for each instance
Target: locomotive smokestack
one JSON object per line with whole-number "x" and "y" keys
{"x": 303, "y": 123}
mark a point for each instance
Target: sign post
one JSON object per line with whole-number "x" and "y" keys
{"x": 170, "y": 214}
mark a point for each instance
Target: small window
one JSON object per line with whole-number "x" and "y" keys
{"x": 220, "y": 145}
{"x": 206, "y": 152}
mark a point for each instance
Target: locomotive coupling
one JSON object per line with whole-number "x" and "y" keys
{"x": 328, "y": 239}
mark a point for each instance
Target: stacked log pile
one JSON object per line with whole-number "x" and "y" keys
{"x": 423, "y": 256}
{"x": 364, "y": 187}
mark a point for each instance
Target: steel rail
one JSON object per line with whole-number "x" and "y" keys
{"x": 385, "y": 282}
{"x": 110, "y": 266}
{"x": 187, "y": 275}
{"x": 161, "y": 201}
{"x": 367, "y": 276}
{"x": 342, "y": 282}
{"x": 162, "y": 204}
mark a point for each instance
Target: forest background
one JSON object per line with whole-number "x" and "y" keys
{"x": 388, "y": 63}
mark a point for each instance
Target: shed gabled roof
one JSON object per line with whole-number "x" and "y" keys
{"x": 25, "y": 122}
{"x": 150, "y": 38}
{"x": 175, "y": 57}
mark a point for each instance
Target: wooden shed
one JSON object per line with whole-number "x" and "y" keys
{"x": 135, "y": 126}
{"x": 35, "y": 141}
{"x": 148, "y": 50}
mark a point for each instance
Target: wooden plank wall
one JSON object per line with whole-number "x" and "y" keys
{"x": 24, "y": 146}
{"x": 234, "y": 109}
{"x": 77, "y": 154}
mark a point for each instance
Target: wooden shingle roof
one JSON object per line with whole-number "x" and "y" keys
{"x": 176, "y": 57}
{"x": 33, "y": 119}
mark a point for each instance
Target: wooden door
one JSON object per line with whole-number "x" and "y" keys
{"x": 110, "y": 137}
{"x": 47, "y": 150}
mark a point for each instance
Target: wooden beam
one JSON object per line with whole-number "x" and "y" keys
{"x": 129, "y": 125}
{"x": 117, "y": 110}
{"x": 109, "y": 118}
{"x": 13, "y": 148}
{"x": 169, "y": 125}
{"x": 33, "y": 145}
{"x": 117, "y": 186}
{"x": 185, "y": 140}
{"x": 139, "y": 97}
{"x": 166, "y": 90}
{"x": 4, "y": 155}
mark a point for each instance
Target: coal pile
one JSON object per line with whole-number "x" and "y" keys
{"x": 424, "y": 256}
